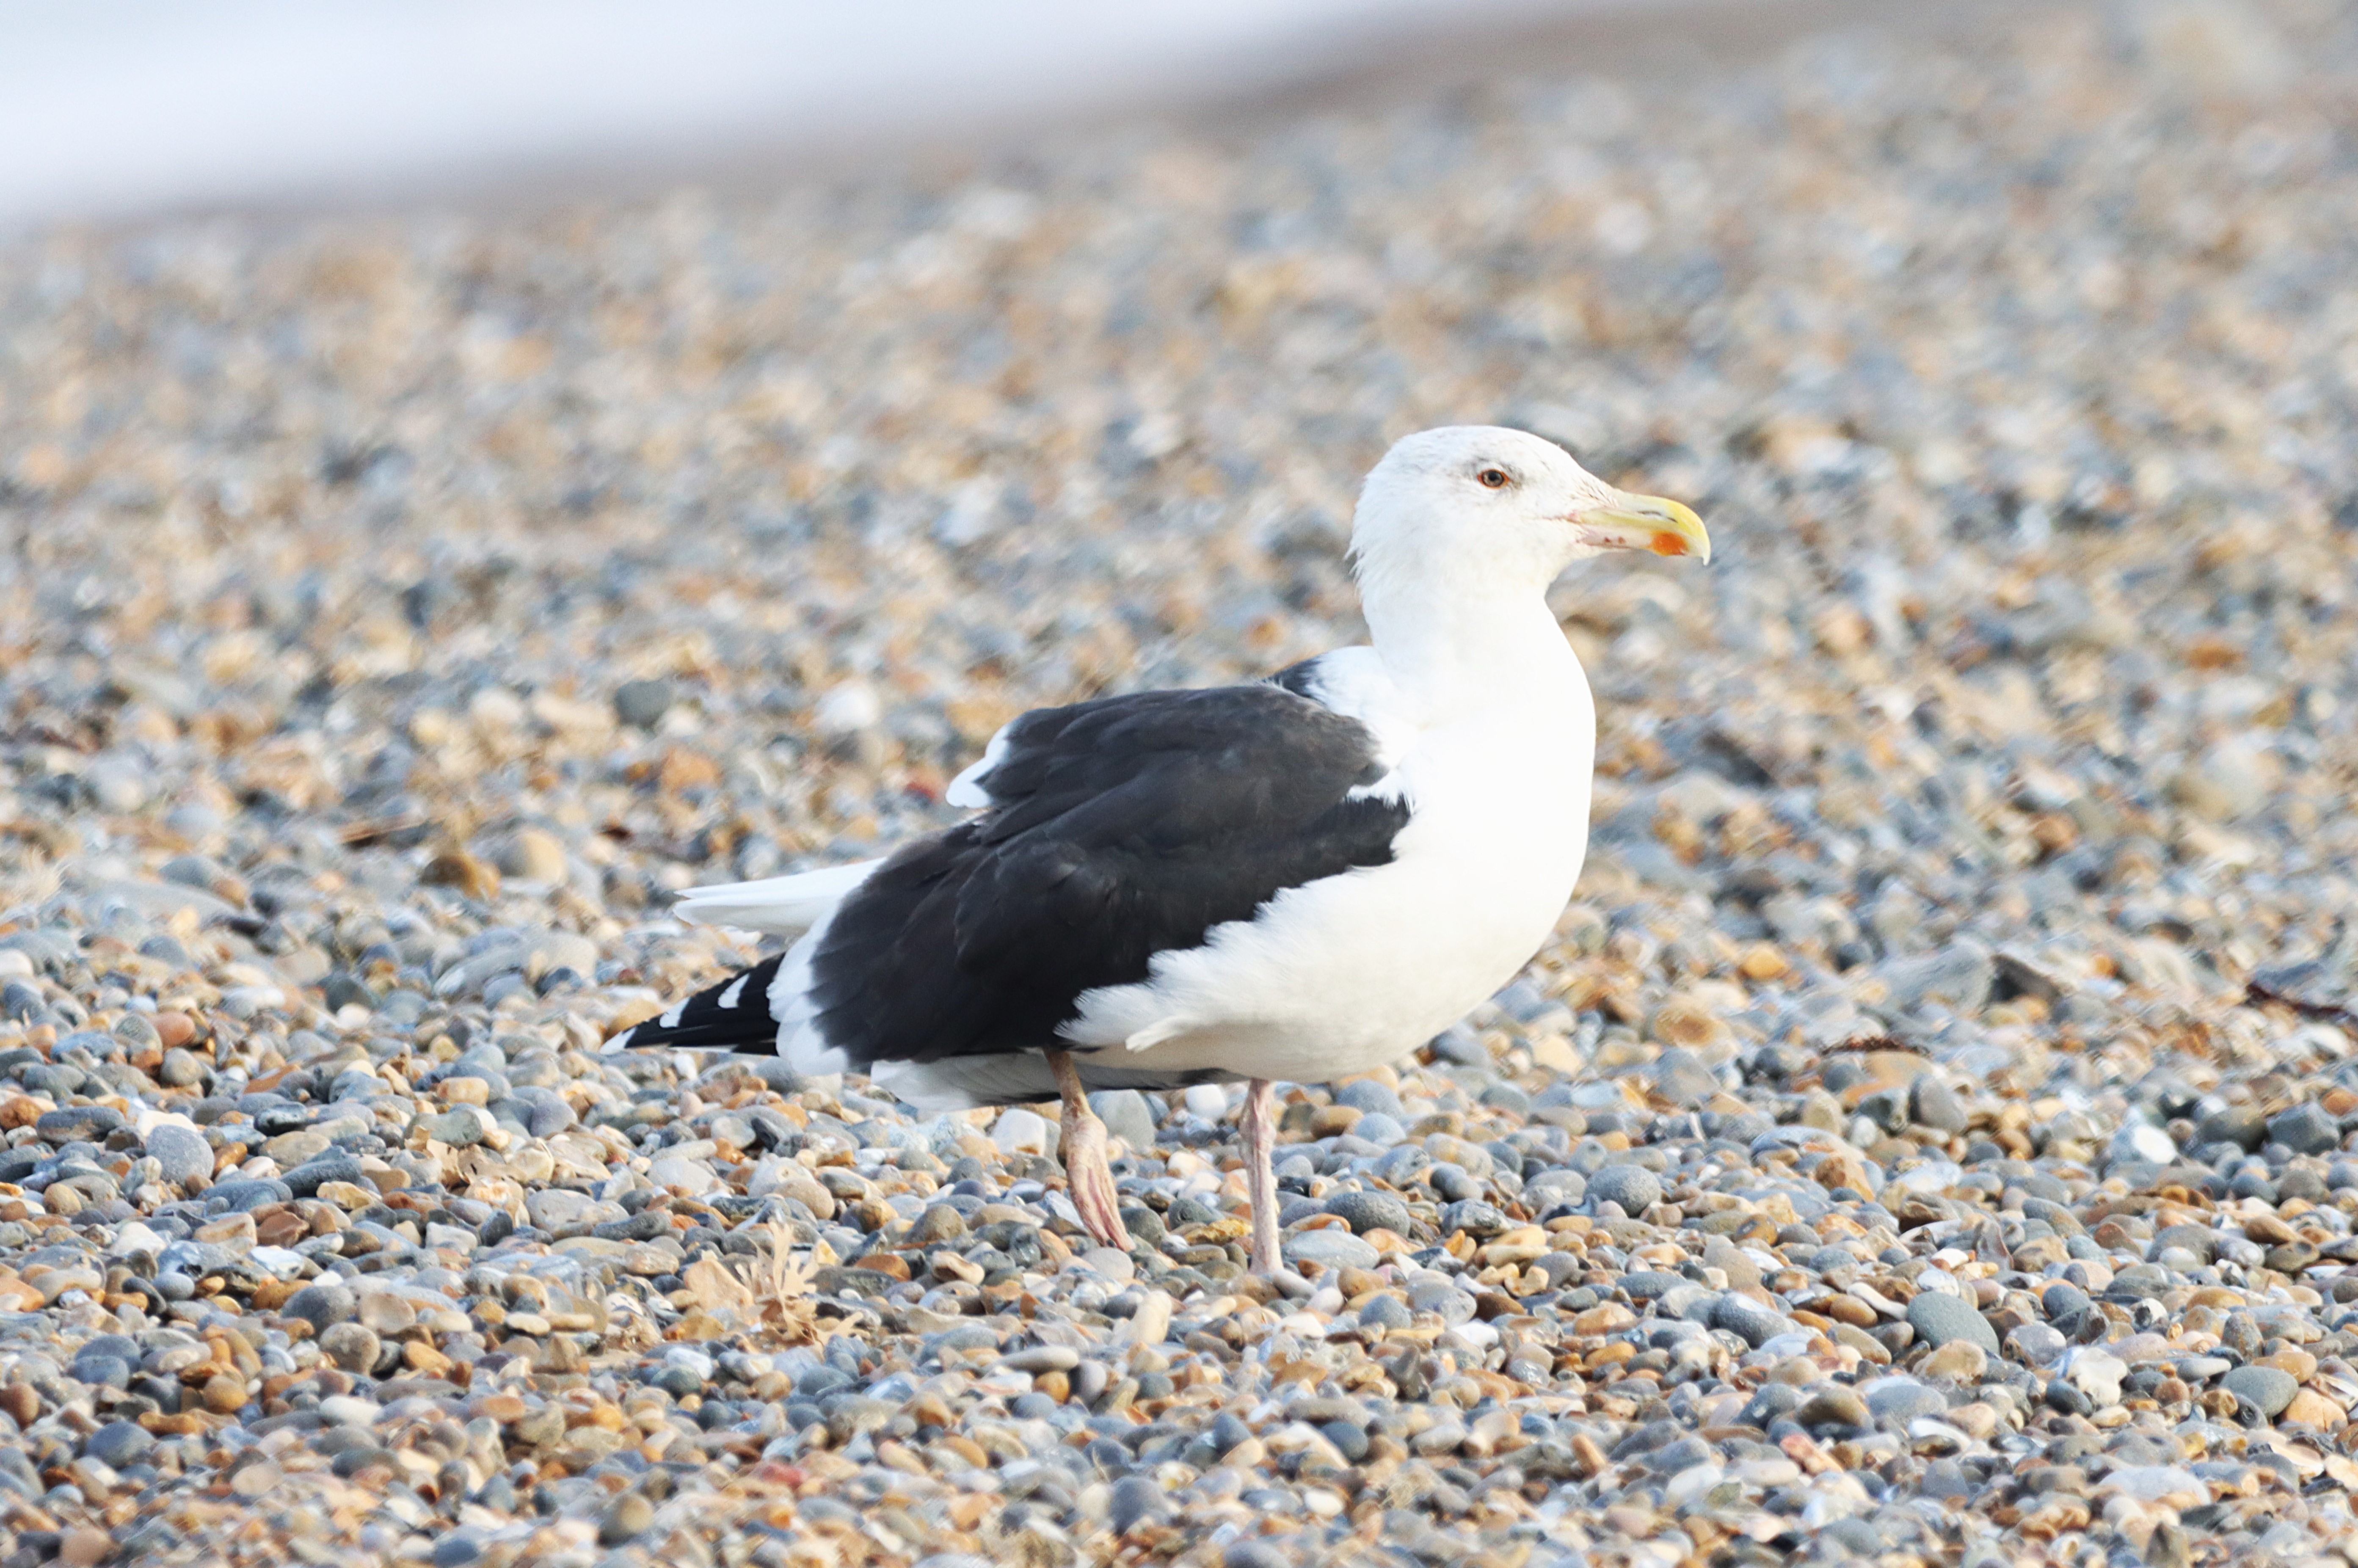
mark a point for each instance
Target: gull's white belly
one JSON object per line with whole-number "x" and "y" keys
{"x": 1351, "y": 971}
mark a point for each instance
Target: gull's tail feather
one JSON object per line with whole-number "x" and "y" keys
{"x": 785, "y": 906}
{"x": 731, "y": 1016}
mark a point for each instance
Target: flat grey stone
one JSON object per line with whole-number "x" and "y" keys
{"x": 1748, "y": 1320}
{"x": 1329, "y": 1248}
{"x": 2269, "y": 1388}
{"x": 1371, "y": 1211}
{"x": 1126, "y": 1115}
{"x": 1937, "y": 1318}
{"x": 1634, "y": 1188}
{"x": 180, "y": 1153}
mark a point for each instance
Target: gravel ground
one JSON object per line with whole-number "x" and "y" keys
{"x": 1928, "y": 1139}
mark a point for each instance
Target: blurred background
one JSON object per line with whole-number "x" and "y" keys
{"x": 131, "y": 108}
{"x": 531, "y": 442}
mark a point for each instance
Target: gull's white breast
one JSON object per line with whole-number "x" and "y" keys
{"x": 1354, "y": 970}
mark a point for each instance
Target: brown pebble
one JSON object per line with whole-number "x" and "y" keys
{"x": 174, "y": 1029}
{"x": 224, "y": 1393}
{"x": 85, "y": 1547}
{"x": 257, "y": 1479}
{"x": 626, "y": 1518}
{"x": 21, "y": 1404}
{"x": 478, "y": 879}
{"x": 425, "y": 1360}
{"x": 283, "y": 1228}
{"x": 501, "y": 1408}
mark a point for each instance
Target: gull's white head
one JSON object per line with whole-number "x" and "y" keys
{"x": 1479, "y": 503}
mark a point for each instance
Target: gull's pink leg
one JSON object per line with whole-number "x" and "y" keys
{"x": 1087, "y": 1174}
{"x": 1258, "y": 1125}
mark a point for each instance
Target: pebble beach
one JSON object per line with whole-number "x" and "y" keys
{"x": 1930, "y": 1138}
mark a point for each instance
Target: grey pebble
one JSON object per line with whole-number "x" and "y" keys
{"x": 322, "y": 1305}
{"x": 1330, "y": 1249}
{"x": 2269, "y": 1388}
{"x": 1634, "y": 1188}
{"x": 182, "y": 1155}
{"x": 1368, "y": 1211}
{"x": 1939, "y": 1318}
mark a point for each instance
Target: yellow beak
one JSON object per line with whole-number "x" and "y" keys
{"x": 1645, "y": 523}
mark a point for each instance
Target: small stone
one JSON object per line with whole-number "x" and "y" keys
{"x": 677, "y": 1175}
{"x": 1958, "y": 1362}
{"x": 938, "y": 1224}
{"x": 476, "y": 878}
{"x": 626, "y": 1518}
{"x": 119, "y": 1445}
{"x": 1110, "y": 1263}
{"x": 1126, "y": 1116}
{"x": 78, "y": 1123}
{"x": 1682, "y": 1077}
{"x": 1748, "y": 1320}
{"x": 181, "y": 1152}
{"x": 322, "y": 1306}
{"x": 2269, "y": 1388}
{"x": 643, "y": 703}
{"x": 2308, "y": 1408}
{"x": 1832, "y": 1404}
{"x": 2143, "y": 1141}
{"x": 1472, "y": 1216}
{"x": 224, "y": 1393}
{"x": 1959, "y": 975}
{"x": 1209, "y": 1101}
{"x": 2305, "y": 1129}
{"x": 1634, "y": 1188}
{"x": 2242, "y": 1125}
{"x": 460, "y": 1127}
{"x": 1937, "y": 1318}
{"x": 1043, "y": 1359}
{"x": 351, "y": 1345}
{"x": 1136, "y": 1500}
{"x": 1900, "y": 1401}
{"x": 387, "y": 1312}
{"x": 2033, "y": 1344}
{"x": 2230, "y": 780}
{"x": 1329, "y": 1248}
{"x": 84, "y": 1546}
{"x": 532, "y": 855}
{"x": 1020, "y": 1131}
{"x": 1933, "y": 1104}
{"x": 2098, "y": 1375}
{"x": 1371, "y": 1097}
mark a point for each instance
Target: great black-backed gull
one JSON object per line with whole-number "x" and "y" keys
{"x": 1292, "y": 881}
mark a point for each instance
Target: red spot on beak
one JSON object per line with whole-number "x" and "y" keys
{"x": 1669, "y": 544}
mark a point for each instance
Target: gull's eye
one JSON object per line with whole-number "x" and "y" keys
{"x": 1495, "y": 478}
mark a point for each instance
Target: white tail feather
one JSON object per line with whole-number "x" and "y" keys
{"x": 782, "y": 904}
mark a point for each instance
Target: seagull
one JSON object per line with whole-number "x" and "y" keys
{"x": 1289, "y": 880}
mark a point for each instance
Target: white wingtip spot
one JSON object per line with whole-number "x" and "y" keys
{"x": 728, "y": 999}
{"x": 619, "y": 1042}
{"x": 967, "y": 790}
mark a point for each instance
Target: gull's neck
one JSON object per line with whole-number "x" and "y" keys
{"x": 1457, "y": 649}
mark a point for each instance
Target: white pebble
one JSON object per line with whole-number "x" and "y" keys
{"x": 1018, "y": 1130}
